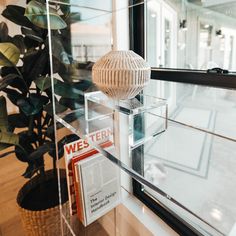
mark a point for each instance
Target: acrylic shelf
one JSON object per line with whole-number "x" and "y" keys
{"x": 94, "y": 118}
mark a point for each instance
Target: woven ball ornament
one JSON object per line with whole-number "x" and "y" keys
{"x": 121, "y": 74}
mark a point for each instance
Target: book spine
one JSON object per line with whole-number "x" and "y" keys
{"x": 81, "y": 191}
{"x": 70, "y": 187}
{"x": 79, "y": 198}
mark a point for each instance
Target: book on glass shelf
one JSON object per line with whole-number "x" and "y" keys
{"x": 97, "y": 184}
{"x": 73, "y": 150}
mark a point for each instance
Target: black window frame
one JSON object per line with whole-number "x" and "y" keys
{"x": 137, "y": 44}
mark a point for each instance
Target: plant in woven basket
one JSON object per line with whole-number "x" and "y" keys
{"x": 25, "y": 81}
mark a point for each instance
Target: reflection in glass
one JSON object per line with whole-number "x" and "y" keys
{"x": 167, "y": 43}
{"x": 204, "y": 30}
{"x": 196, "y": 166}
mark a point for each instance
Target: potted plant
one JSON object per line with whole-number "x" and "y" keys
{"x": 25, "y": 81}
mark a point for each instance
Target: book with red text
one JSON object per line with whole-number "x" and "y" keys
{"x": 74, "y": 149}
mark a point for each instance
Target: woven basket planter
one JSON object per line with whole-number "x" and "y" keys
{"x": 121, "y": 74}
{"x": 45, "y": 222}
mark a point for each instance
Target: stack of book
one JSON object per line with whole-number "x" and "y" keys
{"x": 93, "y": 180}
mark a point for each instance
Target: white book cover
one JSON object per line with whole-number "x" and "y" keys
{"x": 74, "y": 149}
{"x": 99, "y": 183}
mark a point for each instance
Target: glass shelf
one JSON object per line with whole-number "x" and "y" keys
{"x": 140, "y": 104}
{"x": 143, "y": 107}
{"x": 92, "y": 119}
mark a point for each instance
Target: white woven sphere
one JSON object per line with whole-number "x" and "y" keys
{"x": 121, "y": 74}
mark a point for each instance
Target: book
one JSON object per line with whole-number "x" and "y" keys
{"x": 74, "y": 149}
{"x": 74, "y": 161}
{"x": 97, "y": 184}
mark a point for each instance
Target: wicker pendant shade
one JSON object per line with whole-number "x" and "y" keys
{"x": 121, "y": 74}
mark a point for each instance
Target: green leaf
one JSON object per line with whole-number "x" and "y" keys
{"x": 59, "y": 108}
{"x": 73, "y": 73}
{"x": 27, "y": 139}
{"x": 4, "y": 146}
{"x": 83, "y": 85}
{"x": 30, "y": 170}
{"x": 67, "y": 90}
{"x": 3, "y": 114}
{"x": 73, "y": 18}
{"x": 65, "y": 37}
{"x": 59, "y": 51}
{"x": 25, "y": 106}
{"x": 16, "y": 14}
{"x": 18, "y": 120}
{"x": 7, "y": 70}
{"x": 31, "y": 34}
{"x": 66, "y": 139}
{"x": 44, "y": 83}
{"x": 13, "y": 95}
{"x": 68, "y": 72}
{"x": 30, "y": 58}
{"x": 65, "y": 8}
{"x": 41, "y": 65}
{"x": 73, "y": 104}
{"x": 7, "y": 80}
{"x": 17, "y": 83}
{"x": 74, "y": 116}
{"x": 3, "y": 32}
{"x": 9, "y": 54}
{"x": 32, "y": 105}
{"x": 18, "y": 41}
{"x": 36, "y": 64}
{"x": 21, "y": 155}
{"x": 30, "y": 43}
{"x": 9, "y": 138}
{"x": 36, "y": 12}
{"x": 25, "y": 145}
{"x": 40, "y": 151}
{"x": 6, "y": 153}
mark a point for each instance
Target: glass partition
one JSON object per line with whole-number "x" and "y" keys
{"x": 173, "y": 138}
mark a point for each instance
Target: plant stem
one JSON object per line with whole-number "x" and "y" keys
{"x": 54, "y": 166}
{"x": 31, "y": 125}
{"x": 39, "y": 124}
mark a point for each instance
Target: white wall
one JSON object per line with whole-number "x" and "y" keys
{"x": 13, "y": 28}
{"x": 2, "y": 5}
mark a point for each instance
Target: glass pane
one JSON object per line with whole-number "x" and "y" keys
{"x": 193, "y": 160}
{"x": 188, "y": 34}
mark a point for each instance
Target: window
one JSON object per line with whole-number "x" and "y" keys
{"x": 193, "y": 160}
{"x": 198, "y": 35}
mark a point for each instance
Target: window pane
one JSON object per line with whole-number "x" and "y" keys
{"x": 187, "y": 34}
{"x": 193, "y": 161}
